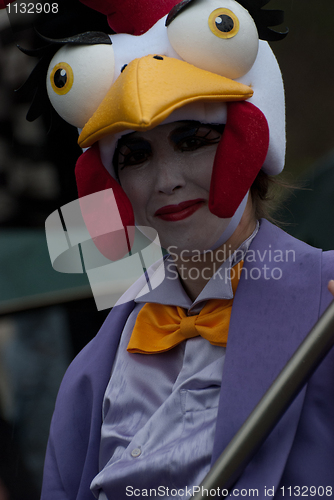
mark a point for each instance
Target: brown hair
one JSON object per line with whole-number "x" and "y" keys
{"x": 264, "y": 192}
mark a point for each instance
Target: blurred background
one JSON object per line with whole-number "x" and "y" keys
{"x": 47, "y": 317}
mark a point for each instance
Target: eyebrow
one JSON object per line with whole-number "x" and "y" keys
{"x": 194, "y": 125}
{"x": 181, "y": 131}
{"x": 127, "y": 140}
{"x": 176, "y": 11}
{"x": 184, "y": 131}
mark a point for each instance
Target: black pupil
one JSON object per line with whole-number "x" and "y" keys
{"x": 225, "y": 23}
{"x": 60, "y": 78}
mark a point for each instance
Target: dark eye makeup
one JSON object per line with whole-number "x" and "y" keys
{"x": 190, "y": 136}
{"x": 132, "y": 151}
{"x": 195, "y": 135}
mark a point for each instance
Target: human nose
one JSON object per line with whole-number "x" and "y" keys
{"x": 169, "y": 176}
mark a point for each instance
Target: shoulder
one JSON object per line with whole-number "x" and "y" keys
{"x": 280, "y": 268}
{"x": 274, "y": 244}
{"x": 303, "y": 251}
{"x": 277, "y": 249}
{"x": 268, "y": 232}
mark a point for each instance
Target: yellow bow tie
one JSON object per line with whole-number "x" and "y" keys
{"x": 159, "y": 328}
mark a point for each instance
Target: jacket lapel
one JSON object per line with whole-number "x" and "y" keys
{"x": 276, "y": 304}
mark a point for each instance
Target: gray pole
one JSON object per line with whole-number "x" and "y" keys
{"x": 241, "y": 449}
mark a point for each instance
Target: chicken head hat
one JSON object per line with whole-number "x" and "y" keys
{"x": 203, "y": 60}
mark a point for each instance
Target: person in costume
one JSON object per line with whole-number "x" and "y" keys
{"x": 182, "y": 115}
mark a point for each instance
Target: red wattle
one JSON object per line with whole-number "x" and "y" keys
{"x": 92, "y": 177}
{"x": 239, "y": 158}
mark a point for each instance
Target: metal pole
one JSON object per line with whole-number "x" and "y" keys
{"x": 241, "y": 449}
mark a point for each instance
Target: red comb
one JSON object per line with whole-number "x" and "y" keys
{"x": 134, "y": 17}
{"x": 4, "y": 3}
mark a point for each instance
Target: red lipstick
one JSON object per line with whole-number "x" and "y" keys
{"x": 173, "y": 213}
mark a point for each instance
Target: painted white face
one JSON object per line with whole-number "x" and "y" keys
{"x": 166, "y": 174}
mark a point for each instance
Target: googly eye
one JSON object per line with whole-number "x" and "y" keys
{"x": 224, "y": 23}
{"x": 62, "y": 78}
{"x": 219, "y": 36}
{"x": 78, "y": 79}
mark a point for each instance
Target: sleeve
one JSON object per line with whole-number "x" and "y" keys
{"x": 310, "y": 464}
{"x": 72, "y": 453}
{"x": 72, "y": 457}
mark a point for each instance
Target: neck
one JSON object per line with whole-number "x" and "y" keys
{"x": 195, "y": 271}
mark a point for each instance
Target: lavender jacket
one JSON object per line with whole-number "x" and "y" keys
{"x": 269, "y": 320}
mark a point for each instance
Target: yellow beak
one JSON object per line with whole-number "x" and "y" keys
{"x": 150, "y": 89}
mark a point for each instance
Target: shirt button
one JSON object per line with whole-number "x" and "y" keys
{"x": 136, "y": 452}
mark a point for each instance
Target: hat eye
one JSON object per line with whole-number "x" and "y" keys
{"x": 62, "y": 78}
{"x": 219, "y": 36}
{"x": 78, "y": 79}
{"x": 223, "y": 23}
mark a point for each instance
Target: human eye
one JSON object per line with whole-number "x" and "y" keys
{"x": 191, "y": 144}
{"x": 196, "y": 138}
{"x": 132, "y": 154}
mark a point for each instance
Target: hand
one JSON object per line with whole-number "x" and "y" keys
{"x": 331, "y": 286}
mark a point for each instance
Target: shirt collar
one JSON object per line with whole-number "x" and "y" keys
{"x": 171, "y": 291}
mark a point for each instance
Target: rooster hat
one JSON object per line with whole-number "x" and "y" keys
{"x": 203, "y": 60}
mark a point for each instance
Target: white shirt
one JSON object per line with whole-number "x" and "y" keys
{"x": 160, "y": 410}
